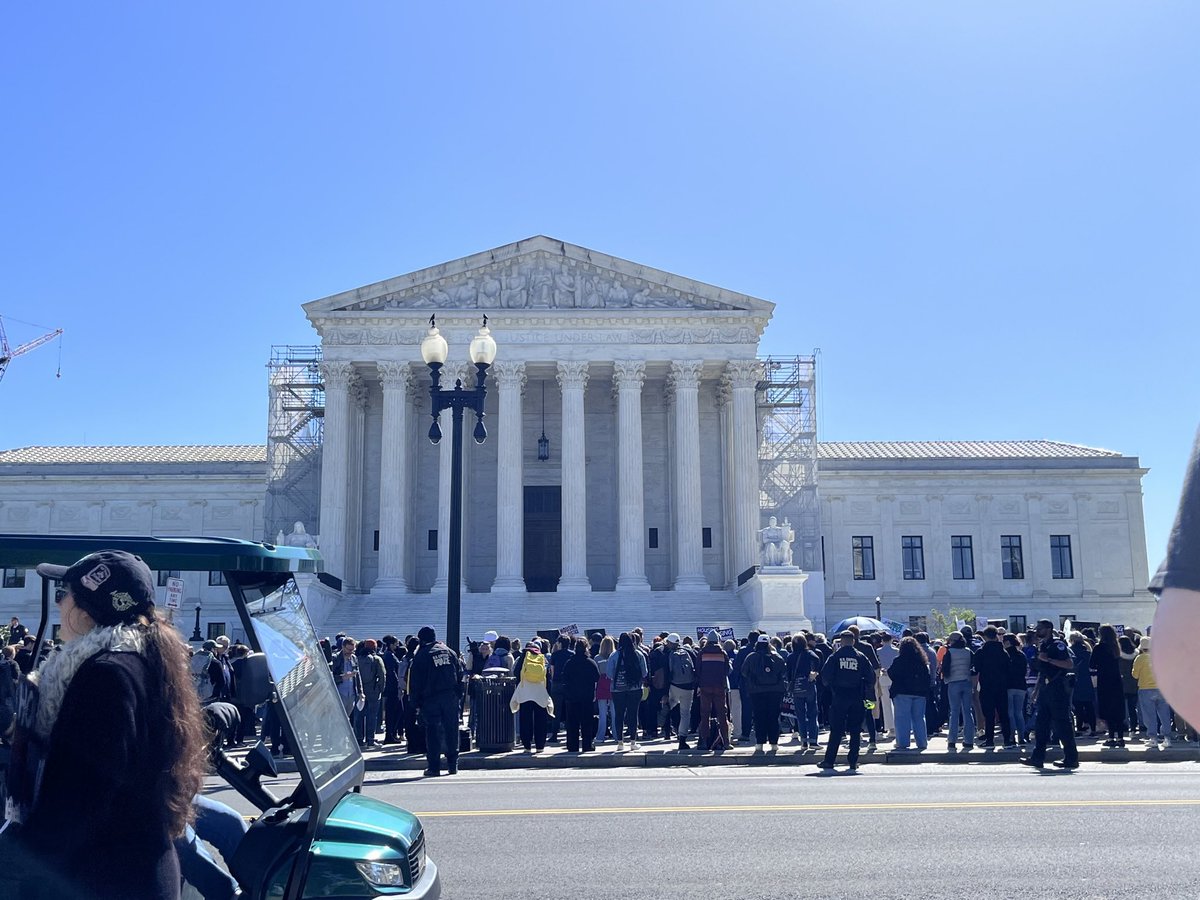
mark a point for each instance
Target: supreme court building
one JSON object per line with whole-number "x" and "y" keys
{"x": 622, "y": 481}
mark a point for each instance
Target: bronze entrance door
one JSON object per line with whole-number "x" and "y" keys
{"x": 543, "y": 538}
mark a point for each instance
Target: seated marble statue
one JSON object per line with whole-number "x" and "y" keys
{"x": 776, "y": 543}
{"x": 298, "y": 538}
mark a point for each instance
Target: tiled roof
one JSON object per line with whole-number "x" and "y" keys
{"x": 187, "y": 453}
{"x": 958, "y": 450}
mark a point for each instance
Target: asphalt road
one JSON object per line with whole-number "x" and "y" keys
{"x": 922, "y": 831}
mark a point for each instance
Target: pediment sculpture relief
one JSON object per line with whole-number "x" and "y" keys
{"x": 539, "y": 281}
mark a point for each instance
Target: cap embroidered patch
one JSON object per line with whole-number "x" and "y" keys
{"x": 93, "y": 579}
{"x": 121, "y": 601}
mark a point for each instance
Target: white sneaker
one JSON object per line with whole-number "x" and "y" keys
{"x": 871, "y": 747}
{"x": 620, "y": 746}
{"x": 758, "y": 748}
{"x": 634, "y": 745}
{"x": 774, "y": 748}
{"x": 796, "y": 738}
{"x": 1167, "y": 743}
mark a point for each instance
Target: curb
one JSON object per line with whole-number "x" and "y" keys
{"x": 661, "y": 759}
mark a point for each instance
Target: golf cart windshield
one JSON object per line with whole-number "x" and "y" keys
{"x": 302, "y": 679}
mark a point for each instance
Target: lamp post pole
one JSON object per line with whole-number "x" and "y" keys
{"x": 196, "y": 631}
{"x": 879, "y": 608}
{"x": 457, "y": 399}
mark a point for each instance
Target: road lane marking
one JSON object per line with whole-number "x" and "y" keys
{"x": 801, "y": 807}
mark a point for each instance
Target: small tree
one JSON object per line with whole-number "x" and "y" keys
{"x": 944, "y": 623}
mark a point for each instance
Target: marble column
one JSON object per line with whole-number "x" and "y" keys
{"x": 510, "y": 481}
{"x": 334, "y": 459}
{"x": 394, "y": 492}
{"x": 689, "y": 552}
{"x": 450, "y": 374}
{"x": 572, "y": 380}
{"x": 352, "y": 580}
{"x": 628, "y": 377}
{"x": 742, "y": 376}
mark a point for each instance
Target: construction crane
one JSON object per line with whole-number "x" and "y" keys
{"x": 8, "y": 354}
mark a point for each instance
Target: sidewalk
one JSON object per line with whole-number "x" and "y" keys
{"x": 660, "y": 753}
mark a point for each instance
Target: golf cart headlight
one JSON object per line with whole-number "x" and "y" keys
{"x": 380, "y": 873}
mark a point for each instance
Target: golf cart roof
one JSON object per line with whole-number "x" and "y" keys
{"x": 185, "y": 554}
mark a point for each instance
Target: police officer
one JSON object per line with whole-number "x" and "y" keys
{"x": 850, "y": 677}
{"x": 435, "y": 684}
{"x": 1054, "y": 665}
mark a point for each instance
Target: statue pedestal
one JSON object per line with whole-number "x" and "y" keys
{"x": 774, "y": 599}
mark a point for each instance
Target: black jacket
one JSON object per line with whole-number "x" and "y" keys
{"x": 577, "y": 679}
{"x": 849, "y": 672}
{"x": 991, "y": 662}
{"x": 99, "y": 820}
{"x": 1018, "y": 667}
{"x": 764, "y": 672}
{"x": 435, "y": 671}
{"x": 910, "y": 677}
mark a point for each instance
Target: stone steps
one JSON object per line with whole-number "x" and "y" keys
{"x": 520, "y": 615}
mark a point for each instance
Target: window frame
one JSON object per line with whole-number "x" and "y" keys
{"x": 962, "y": 567}
{"x": 214, "y": 630}
{"x": 1007, "y": 569}
{"x": 13, "y": 581}
{"x": 161, "y": 575}
{"x": 862, "y": 556}
{"x": 221, "y": 581}
{"x": 912, "y": 556}
{"x": 1056, "y": 558}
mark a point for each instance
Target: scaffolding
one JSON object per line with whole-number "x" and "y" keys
{"x": 787, "y": 452}
{"x": 296, "y": 392}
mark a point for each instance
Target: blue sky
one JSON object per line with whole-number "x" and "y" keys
{"x": 987, "y": 218}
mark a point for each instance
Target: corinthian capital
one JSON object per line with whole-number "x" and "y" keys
{"x": 685, "y": 374}
{"x": 743, "y": 373}
{"x": 337, "y": 375}
{"x": 573, "y": 374}
{"x": 509, "y": 374}
{"x": 358, "y": 391}
{"x": 629, "y": 374}
{"x": 394, "y": 375}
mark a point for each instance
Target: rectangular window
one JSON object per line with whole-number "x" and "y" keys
{"x": 431, "y": 543}
{"x": 1060, "y": 556}
{"x": 1017, "y": 624}
{"x": 706, "y": 538}
{"x": 216, "y": 579}
{"x": 863, "y": 547}
{"x": 653, "y": 539}
{"x": 165, "y": 574}
{"x": 14, "y": 578}
{"x": 376, "y": 542}
{"x": 912, "y": 547}
{"x": 215, "y": 630}
{"x": 962, "y": 556}
{"x": 54, "y": 632}
{"x": 1011, "y": 560}
{"x": 918, "y": 623}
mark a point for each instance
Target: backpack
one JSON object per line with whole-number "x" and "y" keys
{"x": 683, "y": 668}
{"x": 771, "y": 671}
{"x": 533, "y": 668}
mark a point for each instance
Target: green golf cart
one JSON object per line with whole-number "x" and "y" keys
{"x": 326, "y": 839}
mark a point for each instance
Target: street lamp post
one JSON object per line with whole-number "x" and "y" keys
{"x": 196, "y": 631}
{"x": 879, "y": 608}
{"x": 434, "y": 351}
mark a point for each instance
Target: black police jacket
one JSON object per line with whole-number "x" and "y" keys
{"x": 435, "y": 671}
{"x": 847, "y": 671}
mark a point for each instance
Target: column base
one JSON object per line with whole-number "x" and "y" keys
{"x": 574, "y": 583}
{"x": 691, "y": 583}
{"x": 633, "y": 583}
{"x": 394, "y": 585}
{"x": 439, "y": 587}
{"x": 508, "y": 584}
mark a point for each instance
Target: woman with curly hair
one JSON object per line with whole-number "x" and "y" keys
{"x": 120, "y": 740}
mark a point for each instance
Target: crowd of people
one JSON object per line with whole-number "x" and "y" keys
{"x": 992, "y": 690}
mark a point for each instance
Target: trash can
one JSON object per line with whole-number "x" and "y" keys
{"x": 494, "y": 732}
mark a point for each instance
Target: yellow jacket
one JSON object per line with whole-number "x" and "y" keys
{"x": 1143, "y": 672}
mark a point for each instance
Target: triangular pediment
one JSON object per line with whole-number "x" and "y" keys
{"x": 539, "y": 273}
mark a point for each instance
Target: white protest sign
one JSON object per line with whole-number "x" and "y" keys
{"x": 725, "y": 633}
{"x": 569, "y": 630}
{"x": 980, "y": 623}
{"x": 174, "y": 593}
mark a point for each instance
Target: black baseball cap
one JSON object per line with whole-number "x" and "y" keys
{"x": 111, "y": 586}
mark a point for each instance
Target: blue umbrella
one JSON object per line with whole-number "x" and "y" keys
{"x": 863, "y": 623}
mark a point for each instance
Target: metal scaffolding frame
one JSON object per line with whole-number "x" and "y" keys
{"x": 296, "y": 396}
{"x": 787, "y": 451}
